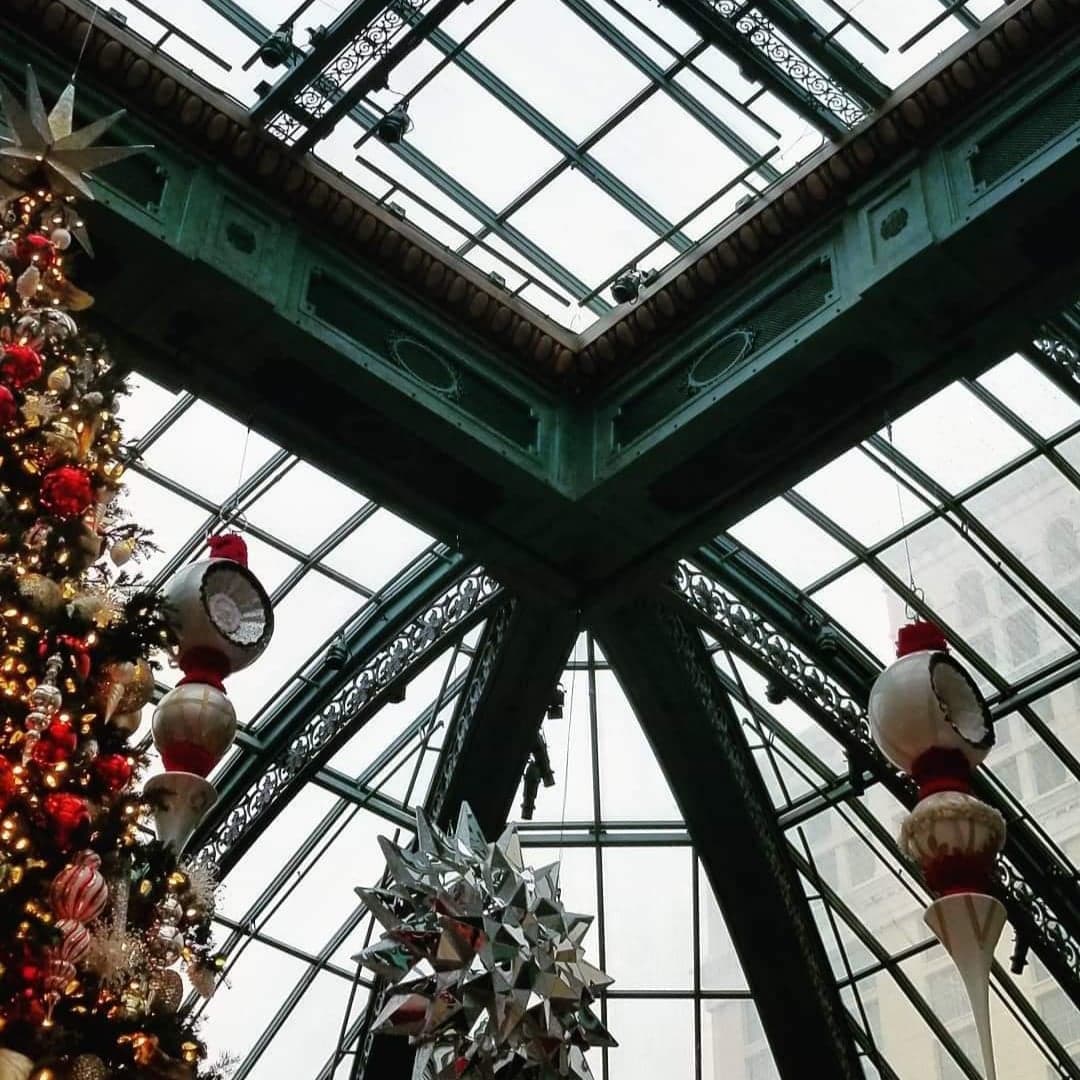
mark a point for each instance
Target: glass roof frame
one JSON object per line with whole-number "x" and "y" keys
{"x": 805, "y": 56}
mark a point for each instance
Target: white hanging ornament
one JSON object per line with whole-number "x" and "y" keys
{"x": 14, "y": 1066}
{"x": 122, "y": 551}
{"x": 194, "y": 725}
{"x": 59, "y": 380}
{"x": 61, "y": 238}
{"x": 27, "y": 283}
{"x": 8, "y": 249}
{"x": 930, "y": 720}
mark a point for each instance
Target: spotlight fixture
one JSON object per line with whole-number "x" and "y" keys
{"x": 775, "y": 694}
{"x": 396, "y": 695}
{"x": 628, "y": 285}
{"x": 337, "y": 656}
{"x": 394, "y": 125}
{"x": 277, "y": 48}
{"x": 536, "y": 772}
{"x": 1019, "y": 958}
{"x": 555, "y": 706}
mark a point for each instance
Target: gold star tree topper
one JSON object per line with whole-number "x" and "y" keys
{"x": 47, "y": 142}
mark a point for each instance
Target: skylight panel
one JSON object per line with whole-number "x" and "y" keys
{"x": 304, "y": 506}
{"x": 208, "y": 452}
{"x": 479, "y": 141}
{"x": 956, "y": 439}
{"x": 667, "y": 157}
{"x": 790, "y": 541}
{"x": 1033, "y": 397}
{"x": 561, "y": 66}
{"x": 378, "y": 549}
{"x": 586, "y": 230}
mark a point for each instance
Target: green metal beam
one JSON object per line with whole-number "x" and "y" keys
{"x": 829, "y": 676}
{"x": 663, "y": 667}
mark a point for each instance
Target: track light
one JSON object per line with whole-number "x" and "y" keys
{"x": 555, "y": 706}
{"x": 337, "y": 656}
{"x": 277, "y": 48}
{"x": 394, "y": 125}
{"x": 628, "y": 285}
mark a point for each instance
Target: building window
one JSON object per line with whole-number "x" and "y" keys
{"x": 1062, "y": 546}
{"x": 946, "y": 995}
{"x": 761, "y": 1067}
{"x": 1008, "y": 772}
{"x": 751, "y": 1024}
{"x": 1047, "y": 771}
{"x": 968, "y": 1041}
{"x": 1061, "y": 1015}
{"x": 861, "y": 863}
{"x": 971, "y": 597}
{"x": 1003, "y": 731}
{"x": 1022, "y": 637}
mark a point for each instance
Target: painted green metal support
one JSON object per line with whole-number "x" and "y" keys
{"x": 662, "y": 665}
{"x": 400, "y": 637}
{"x": 822, "y": 669}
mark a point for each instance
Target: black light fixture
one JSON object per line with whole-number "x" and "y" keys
{"x": 277, "y": 48}
{"x": 775, "y": 694}
{"x": 396, "y": 694}
{"x": 394, "y": 125}
{"x": 555, "y": 706}
{"x": 337, "y": 656}
{"x": 536, "y": 772}
{"x": 1019, "y": 958}
{"x": 626, "y": 287}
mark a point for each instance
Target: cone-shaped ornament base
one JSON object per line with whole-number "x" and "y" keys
{"x": 969, "y": 925}
{"x": 180, "y": 801}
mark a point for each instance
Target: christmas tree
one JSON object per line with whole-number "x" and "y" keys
{"x": 98, "y": 918}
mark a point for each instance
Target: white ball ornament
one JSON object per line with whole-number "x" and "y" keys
{"x": 194, "y": 725}
{"x": 8, "y": 249}
{"x": 61, "y": 238}
{"x": 14, "y": 1066}
{"x": 925, "y": 700}
{"x": 122, "y": 551}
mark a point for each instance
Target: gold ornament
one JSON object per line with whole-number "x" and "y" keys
{"x": 14, "y": 1066}
{"x": 88, "y": 1067}
{"x": 127, "y": 722}
{"x": 38, "y": 408}
{"x": 43, "y": 594}
{"x": 97, "y": 607}
{"x": 60, "y": 380}
{"x": 166, "y": 991}
{"x": 62, "y": 439}
{"x": 125, "y": 687}
{"x": 123, "y": 550}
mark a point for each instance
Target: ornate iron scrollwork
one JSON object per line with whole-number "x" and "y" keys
{"x": 482, "y": 666}
{"x": 750, "y": 634}
{"x": 360, "y": 692}
{"x": 766, "y": 38}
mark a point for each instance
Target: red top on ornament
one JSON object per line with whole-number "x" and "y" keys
{"x": 229, "y": 546}
{"x": 920, "y": 637}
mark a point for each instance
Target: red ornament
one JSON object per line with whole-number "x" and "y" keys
{"x": 36, "y": 248}
{"x": 79, "y": 891}
{"x": 113, "y": 771}
{"x": 21, "y": 365}
{"x": 57, "y": 743}
{"x": 228, "y": 546}
{"x": 8, "y": 409}
{"x": 30, "y": 972}
{"x": 67, "y": 813}
{"x": 8, "y": 783}
{"x": 75, "y": 943}
{"x": 67, "y": 491}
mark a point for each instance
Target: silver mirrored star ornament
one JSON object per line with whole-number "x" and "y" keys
{"x": 486, "y": 967}
{"x": 41, "y": 143}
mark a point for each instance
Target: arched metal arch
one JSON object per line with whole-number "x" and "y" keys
{"x": 391, "y": 644}
{"x": 831, "y": 683}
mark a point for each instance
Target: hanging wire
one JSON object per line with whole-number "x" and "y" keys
{"x": 909, "y": 612}
{"x": 86, "y": 41}
{"x": 566, "y": 761}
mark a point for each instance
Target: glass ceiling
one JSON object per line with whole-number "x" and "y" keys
{"x": 965, "y": 510}
{"x": 559, "y": 142}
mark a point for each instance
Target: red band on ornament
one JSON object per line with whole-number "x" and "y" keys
{"x": 204, "y": 665}
{"x": 188, "y": 757}
{"x": 920, "y": 637}
{"x": 939, "y": 769}
{"x": 228, "y": 546}
{"x": 960, "y": 873}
